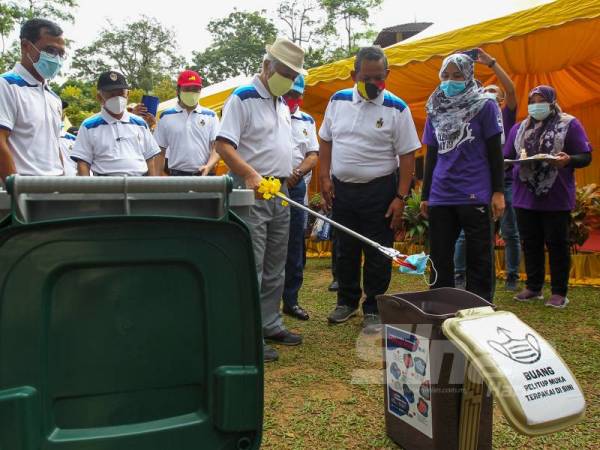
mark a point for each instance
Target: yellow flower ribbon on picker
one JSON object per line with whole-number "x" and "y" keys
{"x": 271, "y": 187}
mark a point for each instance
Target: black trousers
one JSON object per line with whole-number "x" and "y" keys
{"x": 362, "y": 207}
{"x": 334, "y": 253}
{"x": 445, "y": 223}
{"x": 551, "y": 229}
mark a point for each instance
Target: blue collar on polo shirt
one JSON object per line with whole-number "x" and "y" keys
{"x": 357, "y": 98}
{"x": 197, "y": 109}
{"x": 129, "y": 119}
{"x": 110, "y": 119}
{"x": 20, "y": 70}
{"x": 260, "y": 87}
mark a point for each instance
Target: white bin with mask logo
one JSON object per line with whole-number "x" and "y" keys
{"x": 533, "y": 386}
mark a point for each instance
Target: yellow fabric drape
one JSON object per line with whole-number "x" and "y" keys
{"x": 585, "y": 268}
{"x": 556, "y": 44}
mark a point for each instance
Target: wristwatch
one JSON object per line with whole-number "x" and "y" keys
{"x": 492, "y": 63}
{"x": 404, "y": 198}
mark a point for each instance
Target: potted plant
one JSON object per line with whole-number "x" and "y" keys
{"x": 416, "y": 227}
{"x": 584, "y": 215}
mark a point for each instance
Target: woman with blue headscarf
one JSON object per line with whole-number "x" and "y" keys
{"x": 463, "y": 187}
{"x": 544, "y": 191}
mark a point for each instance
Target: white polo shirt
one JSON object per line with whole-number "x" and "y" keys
{"x": 67, "y": 141}
{"x": 115, "y": 147}
{"x": 32, "y": 113}
{"x": 260, "y": 129}
{"x": 304, "y": 134}
{"x": 367, "y": 136}
{"x": 188, "y": 137}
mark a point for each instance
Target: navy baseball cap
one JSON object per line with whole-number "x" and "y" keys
{"x": 112, "y": 80}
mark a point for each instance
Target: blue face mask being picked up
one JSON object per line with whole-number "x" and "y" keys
{"x": 452, "y": 87}
{"x": 419, "y": 262}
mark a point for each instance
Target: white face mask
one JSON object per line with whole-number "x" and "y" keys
{"x": 116, "y": 105}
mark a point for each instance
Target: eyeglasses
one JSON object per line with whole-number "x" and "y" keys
{"x": 52, "y": 51}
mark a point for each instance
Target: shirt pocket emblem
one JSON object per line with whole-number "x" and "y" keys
{"x": 202, "y": 122}
{"x": 305, "y": 131}
{"x": 379, "y": 123}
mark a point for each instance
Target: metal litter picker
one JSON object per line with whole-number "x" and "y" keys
{"x": 271, "y": 188}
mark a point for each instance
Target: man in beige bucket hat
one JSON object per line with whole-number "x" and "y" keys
{"x": 255, "y": 141}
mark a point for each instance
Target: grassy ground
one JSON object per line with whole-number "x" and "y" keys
{"x": 316, "y": 396}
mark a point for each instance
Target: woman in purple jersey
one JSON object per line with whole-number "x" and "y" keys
{"x": 544, "y": 191}
{"x": 505, "y": 95}
{"x": 463, "y": 187}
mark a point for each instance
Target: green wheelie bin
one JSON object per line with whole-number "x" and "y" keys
{"x": 129, "y": 317}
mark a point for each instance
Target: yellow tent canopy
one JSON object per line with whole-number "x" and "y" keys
{"x": 557, "y": 44}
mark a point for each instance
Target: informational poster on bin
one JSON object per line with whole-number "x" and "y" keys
{"x": 408, "y": 378}
{"x": 542, "y": 383}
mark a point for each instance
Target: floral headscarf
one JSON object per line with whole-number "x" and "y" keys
{"x": 546, "y": 136}
{"x": 449, "y": 114}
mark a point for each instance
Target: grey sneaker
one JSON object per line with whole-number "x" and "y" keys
{"x": 557, "y": 301}
{"x": 341, "y": 314}
{"x": 527, "y": 295}
{"x": 511, "y": 284}
{"x": 460, "y": 281}
{"x": 269, "y": 354}
{"x": 371, "y": 324}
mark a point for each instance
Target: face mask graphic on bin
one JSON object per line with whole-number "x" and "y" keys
{"x": 524, "y": 351}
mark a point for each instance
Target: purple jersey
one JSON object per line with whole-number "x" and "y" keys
{"x": 561, "y": 197}
{"x": 462, "y": 173}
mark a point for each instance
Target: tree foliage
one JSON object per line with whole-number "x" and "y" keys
{"x": 81, "y": 97}
{"x": 144, "y": 51}
{"x": 352, "y": 14}
{"x": 238, "y": 46}
{"x": 13, "y": 13}
{"x": 300, "y": 20}
{"x": 165, "y": 89}
{"x": 59, "y": 10}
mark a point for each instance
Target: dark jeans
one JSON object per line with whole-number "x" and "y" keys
{"x": 550, "y": 229}
{"x": 362, "y": 207}
{"x": 445, "y": 223}
{"x": 294, "y": 265}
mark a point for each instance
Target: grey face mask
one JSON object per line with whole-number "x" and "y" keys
{"x": 524, "y": 351}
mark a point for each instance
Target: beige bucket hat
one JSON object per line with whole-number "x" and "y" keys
{"x": 287, "y": 53}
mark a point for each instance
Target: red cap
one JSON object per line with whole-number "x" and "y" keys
{"x": 189, "y": 78}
